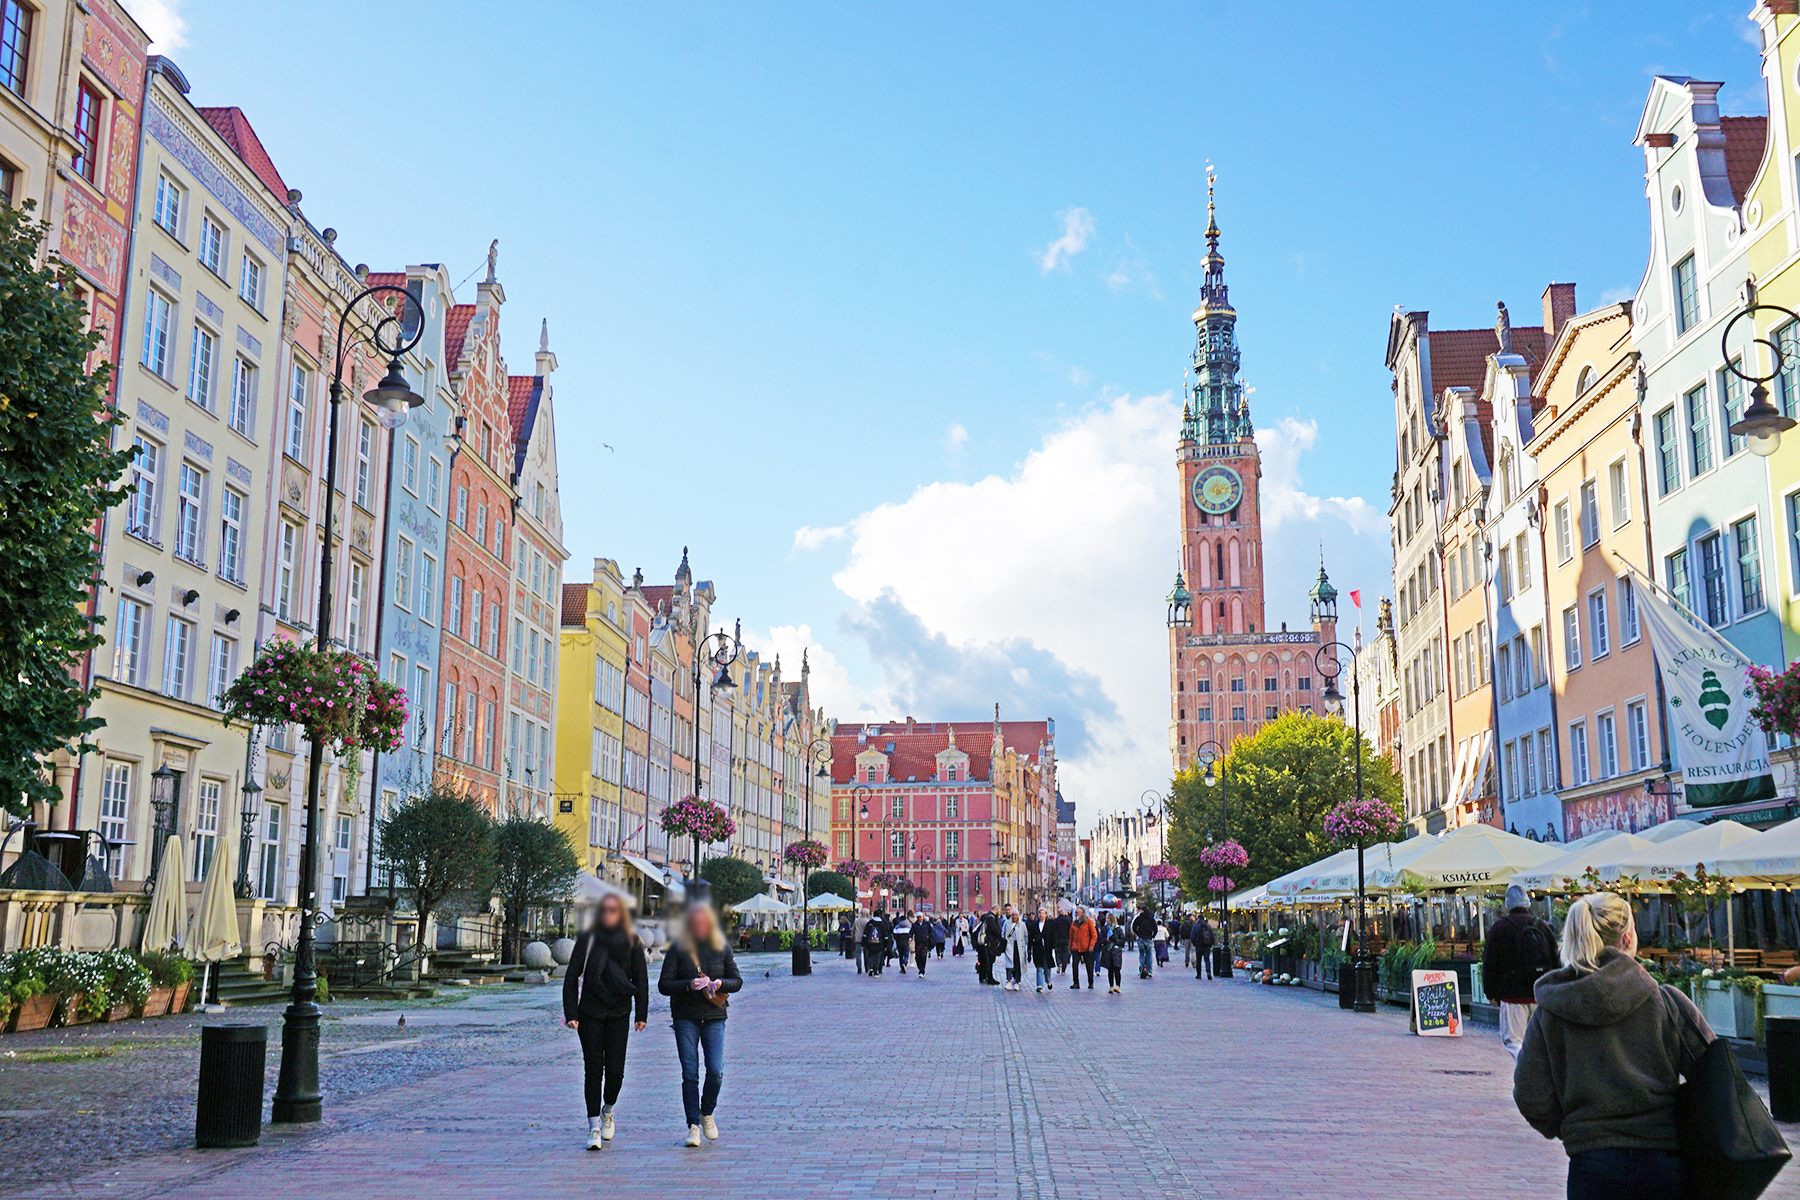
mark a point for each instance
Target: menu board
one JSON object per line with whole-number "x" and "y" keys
{"x": 1437, "y": 1009}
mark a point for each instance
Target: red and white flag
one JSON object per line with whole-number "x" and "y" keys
{"x": 1356, "y": 597}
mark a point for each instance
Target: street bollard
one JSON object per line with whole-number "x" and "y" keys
{"x": 228, "y": 1110}
{"x": 1782, "y": 1035}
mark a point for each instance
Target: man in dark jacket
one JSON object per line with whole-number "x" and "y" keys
{"x": 1059, "y": 940}
{"x": 1143, "y": 928}
{"x": 1520, "y": 947}
{"x": 987, "y": 947}
{"x": 1201, "y": 940}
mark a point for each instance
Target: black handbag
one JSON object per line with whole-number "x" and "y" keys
{"x": 1730, "y": 1146}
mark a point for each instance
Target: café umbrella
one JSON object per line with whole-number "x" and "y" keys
{"x": 1477, "y": 857}
{"x": 1560, "y": 874}
{"x": 829, "y": 903}
{"x": 166, "y": 921}
{"x": 761, "y": 903}
{"x": 1656, "y": 866}
{"x": 1773, "y": 859}
{"x": 213, "y": 936}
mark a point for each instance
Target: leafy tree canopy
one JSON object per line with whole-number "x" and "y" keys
{"x": 1279, "y": 785}
{"x": 58, "y": 476}
{"x": 832, "y": 882}
{"x": 533, "y": 865}
{"x": 733, "y": 880}
{"x": 439, "y": 844}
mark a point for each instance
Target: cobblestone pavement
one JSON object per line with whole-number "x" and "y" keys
{"x": 835, "y": 1086}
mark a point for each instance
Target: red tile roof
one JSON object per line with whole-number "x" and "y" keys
{"x": 518, "y": 401}
{"x": 386, "y": 279}
{"x": 232, "y": 125}
{"x": 1459, "y": 356}
{"x": 1745, "y": 139}
{"x": 456, "y": 331}
{"x": 916, "y": 749}
{"x": 574, "y": 605}
{"x": 658, "y": 593}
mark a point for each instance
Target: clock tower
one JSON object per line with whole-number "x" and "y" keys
{"x": 1228, "y": 673}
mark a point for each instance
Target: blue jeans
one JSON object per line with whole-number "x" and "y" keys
{"x": 1614, "y": 1174}
{"x": 1043, "y": 976}
{"x": 1144, "y": 949}
{"x": 691, "y": 1038}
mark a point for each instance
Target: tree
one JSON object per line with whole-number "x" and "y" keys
{"x": 533, "y": 865}
{"x": 733, "y": 880}
{"x": 439, "y": 845}
{"x": 1279, "y": 784}
{"x": 831, "y": 883}
{"x": 58, "y": 476}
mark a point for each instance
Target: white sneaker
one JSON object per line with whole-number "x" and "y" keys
{"x": 606, "y": 1126}
{"x": 710, "y": 1128}
{"x": 594, "y": 1139}
{"x": 693, "y": 1137}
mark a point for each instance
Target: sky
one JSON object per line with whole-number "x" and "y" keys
{"x": 883, "y": 310}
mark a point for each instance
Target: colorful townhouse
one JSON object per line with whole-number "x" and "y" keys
{"x": 1524, "y": 710}
{"x": 1604, "y": 756}
{"x": 536, "y": 587}
{"x": 472, "y": 674}
{"x": 1467, "y": 606}
{"x": 184, "y": 574}
{"x": 590, "y": 720}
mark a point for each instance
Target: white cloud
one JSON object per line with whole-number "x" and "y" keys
{"x": 955, "y": 438}
{"x": 830, "y": 682}
{"x": 163, "y": 21}
{"x": 813, "y": 537}
{"x": 1077, "y": 231}
{"x": 1044, "y": 587}
{"x": 1132, "y": 270}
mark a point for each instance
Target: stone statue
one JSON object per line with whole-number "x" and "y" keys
{"x": 493, "y": 261}
{"x": 1503, "y": 328}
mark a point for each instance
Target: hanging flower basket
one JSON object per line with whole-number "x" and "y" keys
{"x": 855, "y": 868}
{"x": 696, "y": 818}
{"x": 1225, "y": 855}
{"x": 337, "y": 697}
{"x": 1777, "y": 707}
{"x": 1361, "y": 822}
{"x": 1219, "y": 885}
{"x": 809, "y": 854}
{"x": 1164, "y": 873}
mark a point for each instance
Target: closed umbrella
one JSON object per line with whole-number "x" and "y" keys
{"x": 213, "y": 937}
{"x": 166, "y": 921}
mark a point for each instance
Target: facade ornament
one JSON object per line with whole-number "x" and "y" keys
{"x": 1503, "y": 327}
{"x": 493, "y": 271}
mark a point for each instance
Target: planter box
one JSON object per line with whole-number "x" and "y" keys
{"x": 179, "y": 1003}
{"x": 36, "y": 1012}
{"x": 156, "y": 1004}
{"x": 71, "y": 1010}
{"x": 119, "y": 1012}
{"x": 1720, "y": 1004}
{"x": 1781, "y": 1000}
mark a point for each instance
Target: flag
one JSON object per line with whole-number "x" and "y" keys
{"x": 1723, "y": 752}
{"x": 1356, "y": 597}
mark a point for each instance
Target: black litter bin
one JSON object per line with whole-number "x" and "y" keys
{"x": 229, "y": 1110}
{"x": 1783, "y": 1048}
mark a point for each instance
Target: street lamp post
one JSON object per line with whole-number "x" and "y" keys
{"x": 297, "y": 1097}
{"x": 727, "y": 647}
{"x": 859, "y": 805}
{"x": 252, "y": 805}
{"x": 1156, "y": 808}
{"x": 1362, "y": 971}
{"x": 162, "y": 804}
{"x": 819, "y": 750}
{"x": 1212, "y": 757}
{"x": 1762, "y": 424}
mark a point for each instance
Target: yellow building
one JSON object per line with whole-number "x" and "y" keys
{"x": 183, "y": 555}
{"x": 590, "y": 717}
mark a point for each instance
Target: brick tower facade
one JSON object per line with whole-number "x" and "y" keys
{"x": 1228, "y": 673}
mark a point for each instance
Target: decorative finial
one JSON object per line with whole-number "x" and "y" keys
{"x": 1212, "y": 223}
{"x": 544, "y": 335}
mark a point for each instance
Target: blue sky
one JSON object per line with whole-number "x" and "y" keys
{"x": 803, "y": 274}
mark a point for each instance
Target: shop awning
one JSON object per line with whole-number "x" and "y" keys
{"x": 654, "y": 873}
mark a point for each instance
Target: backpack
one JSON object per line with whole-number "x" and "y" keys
{"x": 1541, "y": 955}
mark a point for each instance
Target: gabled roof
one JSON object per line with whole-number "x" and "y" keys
{"x": 456, "y": 332}
{"x": 574, "y": 605}
{"x": 658, "y": 593}
{"x": 1459, "y": 356}
{"x": 1745, "y": 141}
{"x": 523, "y": 393}
{"x": 232, "y": 125}
{"x": 916, "y": 748}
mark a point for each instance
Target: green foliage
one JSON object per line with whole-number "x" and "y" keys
{"x": 322, "y": 989}
{"x": 58, "y": 476}
{"x": 733, "y": 880}
{"x": 1279, "y": 785}
{"x": 438, "y": 845}
{"x": 534, "y": 865}
{"x": 831, "y": 883}
{"x": 166, "y": 968}
{"x": 1400, "y": 959}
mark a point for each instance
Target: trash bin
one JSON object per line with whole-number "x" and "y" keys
{"x": 229, "y": 1109}
{"x": 1782, "y": 1038}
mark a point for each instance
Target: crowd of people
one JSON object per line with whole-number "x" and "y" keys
{"x": 1048, "y": 944}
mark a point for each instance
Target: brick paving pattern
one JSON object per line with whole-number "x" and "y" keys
{"x": 835, "y": 1086}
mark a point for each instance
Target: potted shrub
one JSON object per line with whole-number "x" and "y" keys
{"x": 170, "y": 978}
{"x": 25, "y": 990}
{"x": 127, "y": 983}
{"x": 81, "y": 981}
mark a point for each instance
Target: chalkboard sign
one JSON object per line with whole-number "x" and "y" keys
{"x": 1437, "y": 1009}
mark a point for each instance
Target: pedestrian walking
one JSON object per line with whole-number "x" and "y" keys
{"x": 1143, "y": 928}
{"x": 874, "y": 943}
{"x": 858, "y": 928}
{"x": 1520, "y": 948}
{"x": 940, "y": 935}
{"x": 1204, "y": 939}
{"x": 1015, "y": 948}
{"x": 606, "y": 979}
{"x": 991, "y": 937}
{"x": 902, "y": 938}
{"x": 1161, "y": 941}
{"x": 962, "y": 934}
{"x": 1059, "y": 940}
{"x": 847, "y": 936}
{"x": 1603, "y": 1055}
{"x": 922, "y": 943}
{"x": 698, "y": 976}
{"x": 1039, "y": 943}
{"x": 1084, "y": 939}
{"x": 1113, "y": 936}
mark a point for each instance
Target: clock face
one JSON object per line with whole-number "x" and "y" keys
{"x": 1217, "y": 490}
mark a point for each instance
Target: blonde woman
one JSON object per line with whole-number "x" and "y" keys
{"x": 698, "y": 974}
{"x": 605, "y": 981}
{"x": 1602, "y": 1057}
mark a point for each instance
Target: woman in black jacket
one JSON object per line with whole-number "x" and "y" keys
{"x": 698, "y": 974}
{"x": 606, "y": 979}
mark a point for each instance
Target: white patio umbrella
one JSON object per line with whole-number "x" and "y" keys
{"x": 1296, "y": 881}
{"x": 1384, "y": 863}
{"x": 761, "y": 904}
{"x": 1657, "y": 865}
{"x": 1669, "y": 830}
{"x": 1561, "y": 873}
{"x": 1477, "y": 857}
{"x": 828, "y": 903}
{"x": 1771, "y": 858}
{"x": 166, "y": 922}
{"x": 213, "y": 936}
